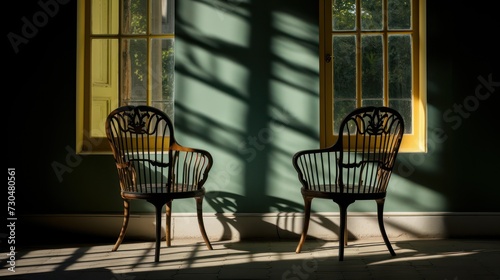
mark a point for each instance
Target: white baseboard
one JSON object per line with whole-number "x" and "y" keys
{"x": 280, "y": 225}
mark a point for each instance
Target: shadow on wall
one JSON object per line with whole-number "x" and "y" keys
{"x": 225, "y": 202}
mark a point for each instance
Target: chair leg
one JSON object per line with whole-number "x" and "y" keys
{"x": 199, "y": 212}
{"x": 343, "y": 204}
{"x": 158, "y": 207}
{"x": 168, "y": 220}
{"x": 346, "y": 233}
{"x": 305, "y": 227}
{"x": 380, "y": 215}
{"x": 126, "y": 215}
{"x": 343, "y": 218}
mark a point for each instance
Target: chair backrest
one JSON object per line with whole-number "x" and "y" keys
{"x": 147, "y": 155}
{"x": 362, "y": 159}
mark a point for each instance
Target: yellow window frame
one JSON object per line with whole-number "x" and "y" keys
{"x": 416, "y": 141}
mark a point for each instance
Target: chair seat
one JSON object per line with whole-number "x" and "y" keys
{"x": 151, "y": 191}
{"x": 369, "y": 193}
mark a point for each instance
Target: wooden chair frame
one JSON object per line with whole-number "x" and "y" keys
{"x": 153, "y": 166}
{"x": 357, "y": 167}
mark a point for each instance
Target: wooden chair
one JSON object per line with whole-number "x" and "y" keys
{"x": 154, "y": 167}
{"x": 357, "y": 167}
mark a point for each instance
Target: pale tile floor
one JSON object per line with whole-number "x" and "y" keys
{"x": 450, "y": 259}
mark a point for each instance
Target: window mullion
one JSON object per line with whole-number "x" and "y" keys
{"x": 120, "y": 52}
{"x": 385, "y": 49}
{"x": 359, "y": 56}
{"x": 149, "y": 72}
{"x": 148, "y": 56}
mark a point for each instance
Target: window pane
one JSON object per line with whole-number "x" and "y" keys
{"x": 134, "y": 72}
{"x": 104, "y": 16}
{"x": 372, "y": 64}
{"x": 404, "y": 107}
{"x": 400, "y": 67}
{"x": 344, "y": 78}
{"x": 371, "y": 15}
{"x": 373, "y": 102}
{"x": 344, "y": 15}
{"x": 135, "y": 17}
{"x": 400, "y": 73}
{"x": 399, "y": 14}
{"x": 162, "y": 75}
{"x": 162, "y": 16}
{"x": 344, "y": 67}
{"x": 340, "y": 111}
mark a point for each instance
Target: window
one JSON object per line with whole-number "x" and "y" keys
{"x": 373, "y": 53}
{"x": 125, "y": 57}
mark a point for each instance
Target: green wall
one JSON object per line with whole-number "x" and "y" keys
{"x": 247, "y": 91}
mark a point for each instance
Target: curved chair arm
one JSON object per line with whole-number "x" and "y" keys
{"x": 189, "y": 167}
{"x": 318, "y": 169}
